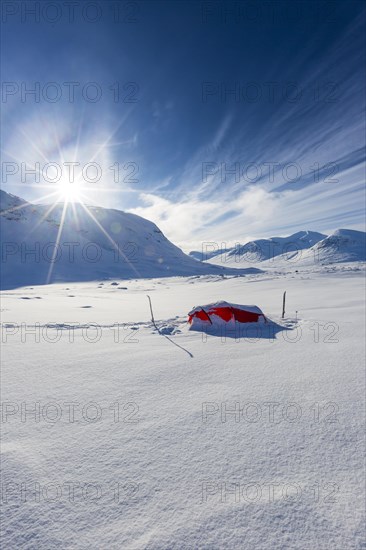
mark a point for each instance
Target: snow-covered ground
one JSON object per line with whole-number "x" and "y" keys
{"x": 115, "y": 437}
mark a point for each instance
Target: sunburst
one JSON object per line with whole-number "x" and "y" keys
{"x": 68, "y": 192}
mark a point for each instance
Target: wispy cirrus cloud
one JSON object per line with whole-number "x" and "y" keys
{"x": 224, "y": 168}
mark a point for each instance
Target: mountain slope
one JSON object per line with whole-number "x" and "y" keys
{"x": 344, "y": 245}
{"x": 262, "y": 250}
{"x": 206, "y": 254}
{"x": 95, "y": 243}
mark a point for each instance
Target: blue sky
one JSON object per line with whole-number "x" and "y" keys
{"x": 228, "y": 120}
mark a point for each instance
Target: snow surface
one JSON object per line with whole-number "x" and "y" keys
{"x": 174, "y": 444}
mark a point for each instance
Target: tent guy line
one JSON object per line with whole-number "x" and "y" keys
{"x": 167, "y": 337}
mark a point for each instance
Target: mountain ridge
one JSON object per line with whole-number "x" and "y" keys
{"x": 343, "y": 245}
{"x": 260, "y": 250}
{"x": 95, "y": 243}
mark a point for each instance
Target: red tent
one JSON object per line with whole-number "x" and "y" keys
{"x": 224, "y": 312}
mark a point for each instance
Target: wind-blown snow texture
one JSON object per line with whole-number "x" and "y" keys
{"x": 175, "y": 469}
{"x": 117, "y": 244}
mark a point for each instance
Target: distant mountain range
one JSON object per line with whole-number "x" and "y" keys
{"x": 261, "y": 249}
{"x": 343, "y": 245}
{"x": 302, "y": 248}
{"x": 210, "y": 250}
{"x": 98, "y": 243}
{"x": 95, "y": 243}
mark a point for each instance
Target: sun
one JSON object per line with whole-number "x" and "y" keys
{"x": 69, "y": 191}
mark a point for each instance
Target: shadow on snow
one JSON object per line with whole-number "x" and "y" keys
{"x": 242, "y": 331}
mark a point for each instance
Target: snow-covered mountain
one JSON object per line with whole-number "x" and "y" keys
{"x": 95, "y": 243}
{"x": 207, "y": 254}
{"x": 344, "y": 245}
{"x": 305, "y": 248}
{"x": 260, "y": 250}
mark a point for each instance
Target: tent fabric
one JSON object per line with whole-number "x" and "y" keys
{"x": 226, "y": 312}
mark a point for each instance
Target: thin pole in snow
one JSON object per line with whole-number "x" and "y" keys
{"x": 165, "y": 336}
{"x": 152, "y": 315}
{"x": 283, "y": 304}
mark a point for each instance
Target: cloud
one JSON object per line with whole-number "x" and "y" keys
{"x": 183, "y": 222}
